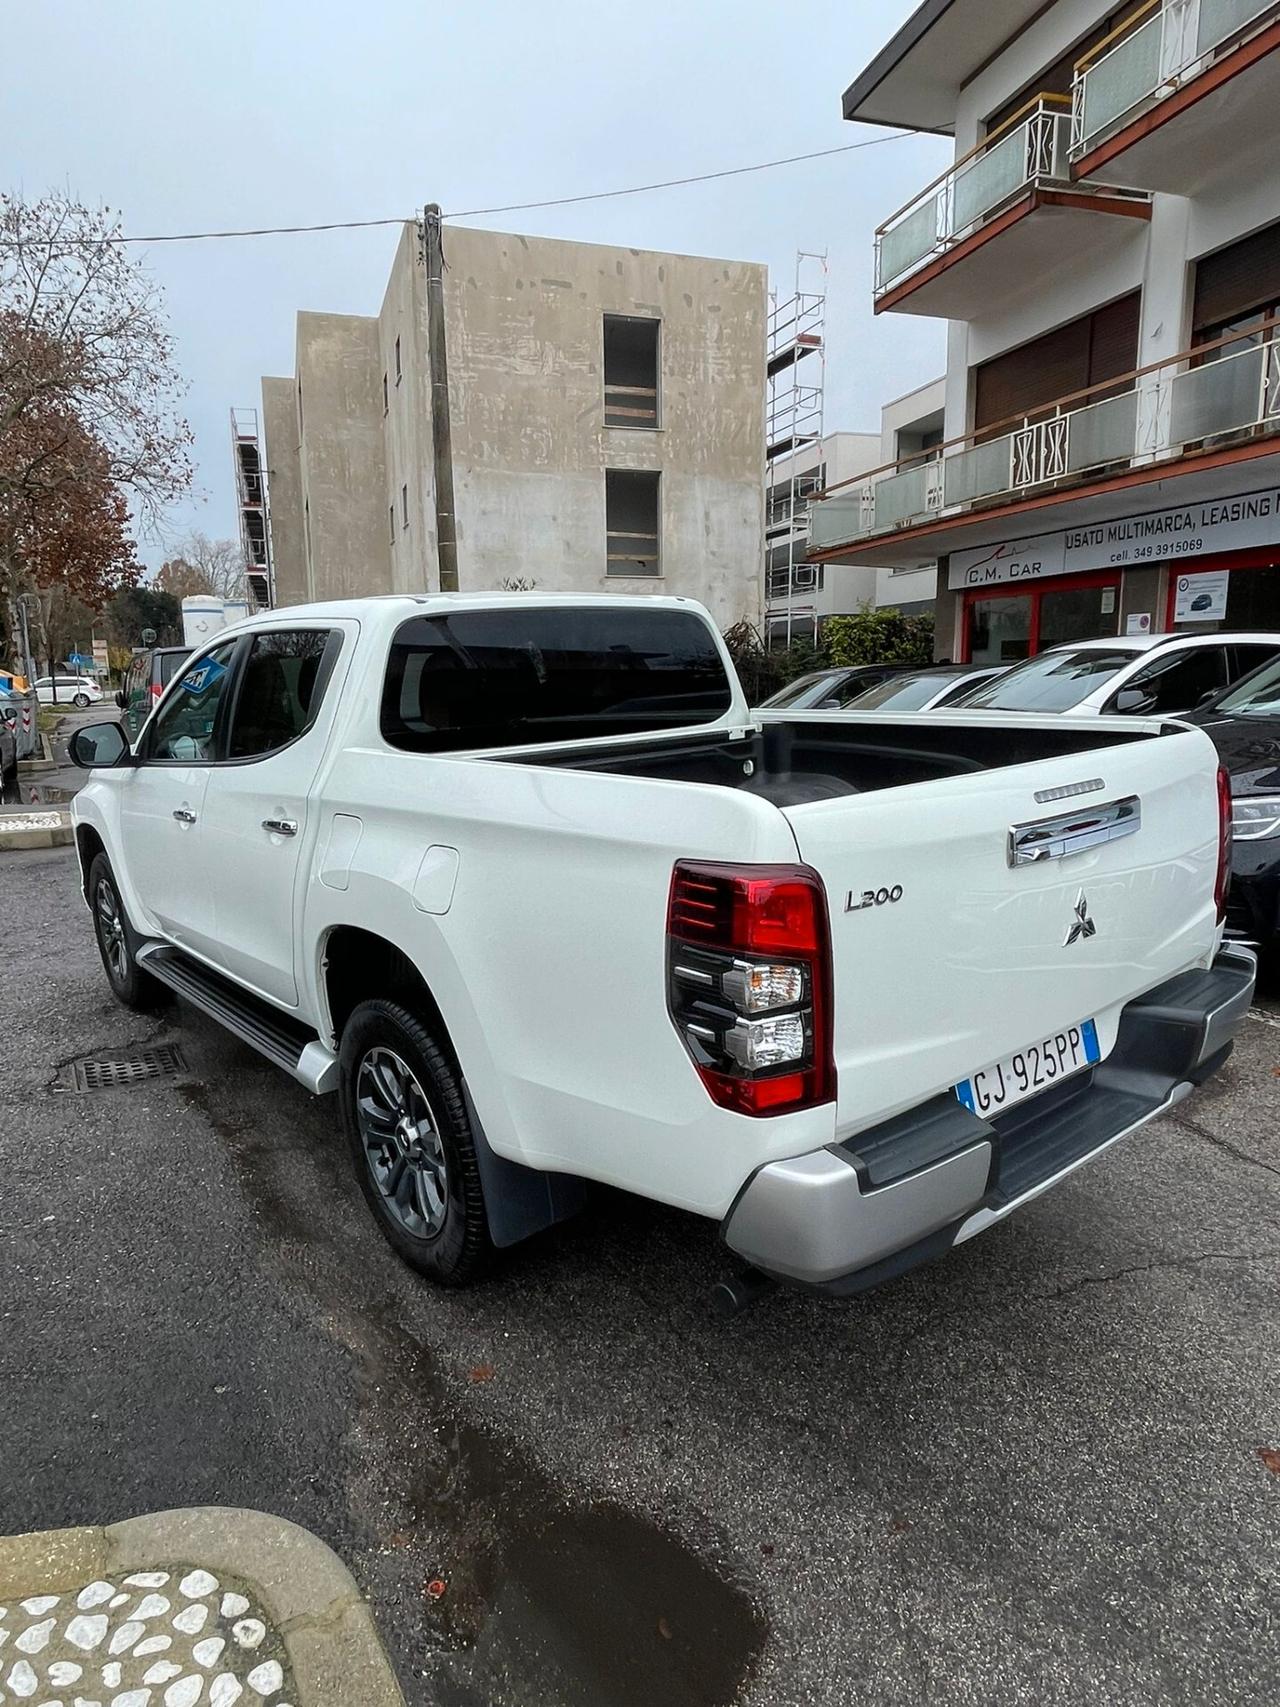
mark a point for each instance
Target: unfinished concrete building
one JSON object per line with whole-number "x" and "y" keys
{"x": 527, "y": 411}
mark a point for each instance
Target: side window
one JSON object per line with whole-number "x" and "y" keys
{"x": 1250, "y": 658}
{"x": 1175, "y": 683}
{"x": 280, "y": 689}
{"x": 186, "y": 726}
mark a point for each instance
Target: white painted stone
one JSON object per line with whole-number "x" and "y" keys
{"x": 125, "y": 1636}
{"x": 150, "y": 1606}
{"x": 85, "y": 1631}
{"x": 266, "y": 1678}
{"x": 112, "y": 1673}
{"x": 234, "y": 1606}
{"x": 132, "y": 1698}
{"x": 35, "y": 1639}
{"x": 184, "y": 1694}
{"x": 39, "y": 1604}
{"x": 192, "y": 1619}
{"x": 117, "y": 1600}
{"x": 4, "y": 1637}
{"x": 197, "y": 1584}
{"x": 249, "y": 1632}
{"x": 224, "y": 1690}
{"x": 62, "y": 1672}
{"x": 22, "y": 1680}
{"x": 161, "y": 1672}
{"x": 94, "y": 1595}
{"x": 148, "y": 1579}
{"x": 208, "y": 1652}
{"x": 49, "y": 1704}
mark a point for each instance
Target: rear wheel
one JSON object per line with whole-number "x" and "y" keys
{"x": 117, "y": 941}
{"x": 81, "y": 700}
{"x": 411, "y": 1143}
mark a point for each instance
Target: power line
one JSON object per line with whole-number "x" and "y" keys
{"x": 116, "y": 239}
{"x": 675, "y": 183}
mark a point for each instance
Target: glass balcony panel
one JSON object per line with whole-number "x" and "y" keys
{"x": 978, "y": 472}
{"x": 1102, "y": 432}
{"x": 1220, "y": 397}
{"x": 906, "y": 244}
{"x": 990, "y": 179}
{"x": 837, "y": 520}
{"x": 899, "y": 497}
{"x": 1121, "y": 78}
{"x": 1222, "y": 18}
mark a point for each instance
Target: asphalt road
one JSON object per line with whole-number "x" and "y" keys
{"x": 1029, "y": 1473}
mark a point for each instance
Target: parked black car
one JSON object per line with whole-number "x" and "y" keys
{"x": 1243, "y": 722}
{"x": 148, "y": 675}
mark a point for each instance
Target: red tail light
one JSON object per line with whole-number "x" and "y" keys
{"x": 749, "y": 983}
{"x": 1223, "y": 881}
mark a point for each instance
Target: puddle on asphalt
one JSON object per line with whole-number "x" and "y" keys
{"x": 600, "y": 1609}
{"x": 547, "y": 1601}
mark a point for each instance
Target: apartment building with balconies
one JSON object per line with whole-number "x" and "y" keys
{"x": 1106, "y": 248}
{"x": 800, "y": 594}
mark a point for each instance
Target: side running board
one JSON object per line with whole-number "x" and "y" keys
{"x": 284, "y": 1041}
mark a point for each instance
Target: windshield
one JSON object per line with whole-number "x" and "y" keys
{"x": 1055, "y": 681}
{"x": 169, "y": 662}
{"x": 1257, "y": 695}
{"x": 903, "y": 693}
{"x": 802, "y": 685}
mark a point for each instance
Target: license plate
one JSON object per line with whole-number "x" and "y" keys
{"x": 1030, "y": 1070}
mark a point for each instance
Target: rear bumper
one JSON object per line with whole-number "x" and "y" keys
{"x": 847, "y": 1217}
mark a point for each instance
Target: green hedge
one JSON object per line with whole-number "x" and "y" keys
{"x": 871, "y": 637}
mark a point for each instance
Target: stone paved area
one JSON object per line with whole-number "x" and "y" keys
{"x": 177, "y": 1637}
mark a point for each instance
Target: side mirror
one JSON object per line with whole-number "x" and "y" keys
{"x": 1206, "y": 697}
{"x": 1131, "y": 699}
{"x": 98, "y": 747}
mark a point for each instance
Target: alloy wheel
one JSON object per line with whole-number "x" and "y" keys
{"x": 111, "y": 931}
{"x": 402, "y": 1146}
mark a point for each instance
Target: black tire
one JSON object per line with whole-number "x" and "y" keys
{"x": 130, "y": 985}
{"x": 432, "y": 1210}
{"x": 10, "y": 788}
{"x": 81, "y": 700}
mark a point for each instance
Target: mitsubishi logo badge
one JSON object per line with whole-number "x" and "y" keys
{"x": 1082, "y": 925}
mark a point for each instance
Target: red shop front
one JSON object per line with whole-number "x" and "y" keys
{"x": 1234, "y": 591}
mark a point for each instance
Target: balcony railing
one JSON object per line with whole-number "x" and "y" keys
{"x": 1217, "y": 391}
{"x": 1157, "y": 50}
{"x": 1028, "y": 150}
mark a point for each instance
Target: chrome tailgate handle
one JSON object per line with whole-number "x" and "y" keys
{"x": 1073, "y": 832}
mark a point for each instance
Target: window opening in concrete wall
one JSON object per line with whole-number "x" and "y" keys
{"x": 632, "y": 522}
{"x": 630, "y": 370}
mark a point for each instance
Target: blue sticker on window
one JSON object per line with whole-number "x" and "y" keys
{"x": 203, "y": 676}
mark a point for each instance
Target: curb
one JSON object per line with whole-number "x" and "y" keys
{"x": 334, "y": 1649}
{"x": 35, "y": 828}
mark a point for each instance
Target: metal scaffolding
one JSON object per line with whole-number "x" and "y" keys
{"x": 796, "y": 367}
{"x": 251, "y": 498}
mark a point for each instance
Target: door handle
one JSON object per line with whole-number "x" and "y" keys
{"x": 184, "y": 815}
{"x": 280, "y": 826}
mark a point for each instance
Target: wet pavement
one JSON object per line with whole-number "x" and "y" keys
{"x": 1035, "y": 1472}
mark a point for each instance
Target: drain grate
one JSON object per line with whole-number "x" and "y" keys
{"x": 110, "y": 1072}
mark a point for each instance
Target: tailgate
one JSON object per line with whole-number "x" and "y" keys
{"x": 961, "y": 957}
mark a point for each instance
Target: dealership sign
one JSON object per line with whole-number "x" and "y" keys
{"x": 1191, "y": 530}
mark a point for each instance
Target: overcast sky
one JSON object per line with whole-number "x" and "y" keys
{"x": 200, "y": 115}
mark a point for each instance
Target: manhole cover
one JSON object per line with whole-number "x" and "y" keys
{"x": 109, "y": 1072}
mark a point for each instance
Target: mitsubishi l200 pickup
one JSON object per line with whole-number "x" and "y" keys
{"x": 523, "y": 883}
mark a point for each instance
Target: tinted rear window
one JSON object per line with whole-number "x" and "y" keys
{"x": 901, "y": 693}
{"x": 169, "y": 662}
{"x": 505, "y": 678}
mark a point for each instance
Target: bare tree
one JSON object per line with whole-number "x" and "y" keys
{"x": 204, "y": 565}
{"x": 88, "y": 387}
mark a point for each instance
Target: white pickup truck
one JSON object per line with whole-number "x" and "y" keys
{"x": 524, "y": 882}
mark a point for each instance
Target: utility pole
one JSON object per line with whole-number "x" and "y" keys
{"x": 441, "y": 437}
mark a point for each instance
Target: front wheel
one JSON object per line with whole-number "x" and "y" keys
{"x": 81, "y": 701}
{"x": 130, "y": 985}
{"x": 411, "y": 1143}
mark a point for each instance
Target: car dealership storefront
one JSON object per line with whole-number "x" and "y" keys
{"x": 1195, "y": 567}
